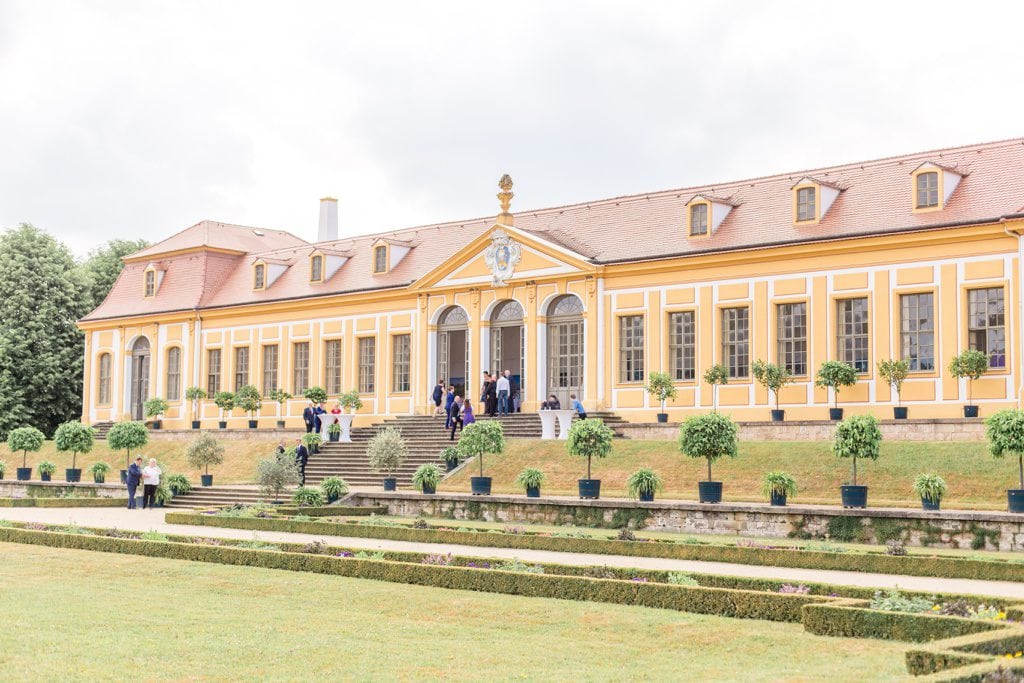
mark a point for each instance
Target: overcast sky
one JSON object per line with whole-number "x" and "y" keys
{"x": 137, "y": 119}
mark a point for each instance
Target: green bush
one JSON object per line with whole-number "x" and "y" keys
{"x": 661, "y": 387}
{"x": 67, "y": 502}
{"x": 710, "y": 437}
{"x": 426, "y": 476}
{"x": 350, "y": 400}
{"x": 894, "y": 373}
{"x": 482, "y": 438}
{"x": 276, "y": 473}
{"x": 835, "y": 375}
{"x": 316, "y": 395}
{"x": 203, "y": 451}
{"x": 74, "y": 437}
{"x": 386, "y": 450}
{"x": 450, "y": 454}
{"x": 127, "y": 435}
{"x": 25, "y": 439}
{"x": 1005, "y": 432}
{"x": 970, "y": 364}
{"x": 334, "y": 487}
{"x": 530, "y": 478}
{"x": 644, "y": 481}
{"x": 930, "y": 487}
{"x": 178, "y": 484}
{"x": 99, "y": 469}
{"x": 858, "y": 622}
{"x": 194, "y": 395}
{"x": 772, "y": 377}
{"x": 248, "y": 399}
{"x": 155, "y": 407}
{"x": 590, "y": 438}
{"x": 778, "y": 483}
{"x": 304, "y": 495}
{"x": 857, "y": 437}
{"x": 47, "y": 468}
{"x": 224, "y": 400}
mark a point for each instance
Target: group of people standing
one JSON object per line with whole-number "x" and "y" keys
{"x": 318, "y": 419}
{"x": 148, "y": 476}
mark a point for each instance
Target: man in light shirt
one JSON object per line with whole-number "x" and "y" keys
{"x": 504, "y": 388}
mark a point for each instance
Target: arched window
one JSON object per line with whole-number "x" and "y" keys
{"x": 174, "y": 374}
{"x": 454, "y": 316}
{"x": 508, "y": 311}
{"x": 567, "y": 304}
{"x": 103, "y": 389}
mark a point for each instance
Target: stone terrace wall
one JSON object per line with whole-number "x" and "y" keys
{"x": 954, "y": 429}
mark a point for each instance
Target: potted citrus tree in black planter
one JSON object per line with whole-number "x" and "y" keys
{"x": 772, "y": 377}
{"x": 1005, "y": 432}
{"x": 194, "y": 395}
{"x": 661, "y": 387}
{"x": 155, "y": 408}
{"x": 99, "y": 472}
{"x": 931, "y": 488}
{"x": 716, "y": 376}
{"x": 385, "y": 451}
{"x": 894, "y": 372}
{"x": 530, "y": 479}
{"x": 643, "y": 484}
{"x": 450, "y": 455}
{"x": 203, "y": 451}
{"x": 857, "y": 437}
{"x": 46, "y": 470}
{"x": 777, "y": 488}
{"x": 333, "y": 488}
{"x": 281, "y": 397}
{"x": 127, "y": 435}
{"x": 835, "y": 375}
{"x": 426, "y": 478}
{"x": 248, "y": 399}
{"x": 224, "y": 400}
{"x": 711, "y": 437}
{"x": 479, "y": 439}
{"x": 25, "y": 439}
{"x": 590, "y": 438}
{"x": 77, "y": 438}
{"x": 970, "y": 364}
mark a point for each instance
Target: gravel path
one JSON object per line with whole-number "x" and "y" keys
{"x": 146, "y": 520}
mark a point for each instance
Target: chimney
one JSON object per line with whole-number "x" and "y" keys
{"x": 328, "y": 220}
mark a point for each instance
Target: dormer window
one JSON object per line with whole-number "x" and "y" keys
{"x": 933, "y": 185}
{"x": 705, "y": 213}
{"x": 316, "y": 268}
{"x": 806, "y": 204}
{"x": 927, "y": 193}
{"x": 151, "y": 279}
{"x": 380, "y": 259}
{"x": 259, "y": 276}
{"x": 150, "y": 283}
{"x": 812, "y": 198}
{"x": 699, "y": 220}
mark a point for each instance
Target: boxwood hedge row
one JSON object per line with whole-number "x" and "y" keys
{"x": 63, "y": 502}
{"x": 332, "y": 511}
{"x": 914, "y": 565}
{"x": 965, "y": 650}
{"x": 850, "y": 621}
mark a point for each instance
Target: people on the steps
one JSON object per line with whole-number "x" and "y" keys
{"x": 301, "y": 458}
{"x": 133, "y": 479}
{"x": 455, "y": 415}
{"x": 437, "y": 396}
{"x": 577, "y": 406}
{"x": 504, "y": 389}
{"x": 551, "y": 404}
{"x": 448, "y": 401}
{"x": 467, "y": 413}
{"x": 309, "y": 417}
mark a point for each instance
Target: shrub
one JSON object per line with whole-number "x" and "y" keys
{"x": 26, "y": 439}
{"x": 661, "y": 387}
{"x": 387, "y": 449}
{"x": 857, "y": 437}
{"x": 514, "y": 565}
{"x": 224, "y": 400}
{"x": 204, "y": 451}
{"x": 530, "y": 478}
{"x": 450, "y": 454}
{"x": 350, "y": 401}
{"x": 644, "y": 481}
{"x": 334, "y": 428}
{"x": 427, "y": 475}
{"x": 276, "y": 473}
{"x": 1005, "y": 432}
{"x": 681, "y": 579}
{"x": 304, "y": 495}
{"x": 75, "y": 437}
{"x": 178, "y": 484}
{"x": 835, "y": 375}
{"x": 894, "y": 601}
{"x": 790, "y": 589}
{"x": 315, "y": 394}
{"x": 894, "y": 372}
{"x": 127, "y": 435}
{"x": 852, "y": 622}
{"x": 625, "y": 535}
{"x": 779, "y": 484}
{"x": 311, "y": 440}
{"x": 772, "y": 377}
{"x": 970, "y": 364}
{"x": 47, "y": 468}
{"x": 155, "y": 407}
{"x": 3, "y": 468}
{"x": 194, "y": 395}
{"x": 708, "y": 436}
{"x": 280, "y": 396}
{"x": 716, "y": 375}
{"x": 930, "y": 487}
{"x": 334, "y": 487}
{"x": 438, "y": 560}
{"x": 163, "y": 493}
{"x": 248, "y": 399}
{"x": 480, "y": 438}
{"x": 895, "y": 547}
{"x": 590, "y": 438}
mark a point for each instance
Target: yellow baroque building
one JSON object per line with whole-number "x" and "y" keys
{"x": 915, "y": 257}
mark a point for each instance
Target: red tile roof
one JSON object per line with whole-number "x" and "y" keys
{"x": 876, "y": 198}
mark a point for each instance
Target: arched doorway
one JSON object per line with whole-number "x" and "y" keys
{"x": 565, "y": 348}
{"x": 453, "y": 348}
{"x": 139, "y": 386}
{"x": 508, "y": 342}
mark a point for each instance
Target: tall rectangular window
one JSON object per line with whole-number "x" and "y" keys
{"x": 300, "y": 367}
{"x": 986, "y": 324}
{"x": 269, "y": 369}
{"x": 380, "y": 259}
{"x": 736, "y": 341}
{"x": 150, "y": 282}
{"x": 631, "y": 348}
{"x": 212, "y": 372}
{"x": 332, "y": 366}
{"x": 316, "y": 268}
{"x": 917, "y": 331}
{"x": 367, "y": 364}
{"x": 791, "y": 337}
{"x": 400, "y": 359}
{"x": 852, "y": 343}
{"x": 241, "y": 367}
{"x": 805, "y": 204}
{"x": 699, "y": 219}
{"x": 682, "y": 335}
{"x": 927, "y": 190}
{"x": 174, "y": 374}
{"x": 259, "y": 276}
{"x": 104, "y": 385}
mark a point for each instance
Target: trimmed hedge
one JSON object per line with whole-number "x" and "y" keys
{"x": 63, "y": 502}
{"x": 331, "y": 511}
{"x": 913, "y": 565}
{"x": 716, "y": 601}
{"x": 854, "y": 621}
{"x": 965, "y": 650}
{"x": 976, "y": 673}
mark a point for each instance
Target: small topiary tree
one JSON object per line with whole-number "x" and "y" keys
{"x": 1005, "y": 432}
{"x": 74, "y": 437}
{"x": 661, "y": 387}
{"x": 716, "y": 375}
{"x": 711, "y": 437}
{"x": 971, "y": 364}
{"x": 386, "y": 450}
{"x": 224, "y": 400}
{"x": 25, "y": 439}
{"x": 282, "y": 397}
{"x": 248, "y": 399}
{"x": 590, "y": 438}
{"x": 204, "y": 451}
{"x": 350, "y": 401}
{"x": 857, "y": 437}
{"x": 894, "y": 372}
{"x": 277, "y": 473}
{"x": 835, "y": 375}
{"x": 772, "y": 377}
{"x": 155, "y": 407}
{"x": 127, "y": 435}
{"x": 316, "y": 395}
{"x": 194, "y": 395}
{"x": 480, "y": 438}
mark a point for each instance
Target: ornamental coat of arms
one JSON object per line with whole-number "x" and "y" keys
{"x": 501, "y": 257}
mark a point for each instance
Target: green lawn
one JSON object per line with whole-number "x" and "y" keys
{"x": 76, "y": 615}
{"x": 975, "y": 479}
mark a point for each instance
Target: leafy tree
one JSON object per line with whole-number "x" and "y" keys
{"x": 835, "y": 374}
{"x": 480, "y": 438}
{"x": 661, "y": 387}
{"x": 350, "y": 400}
{"x": 194, "y": 395}
{"x": 1005, "y": 432}
{"x": 75, "y": 437}
{"x": 971, "y": 364}
{"x": 772, "y": 377}
{"x": 858, "y": 437}
{"x": 225, "y": 400}
{"x": 155, "y": 407}
{"x": 316, "y": 395}
{"x": 717, "y": 374}
{"x": 102, "y": 267}
{"x": 127, "y": 435}
{"x": 710, "y": 436}
{"x": 894, "y": 372}
{"x": 41, "y": 350}
{"x": 248, "y": 399}
{"x": 25, "y": 439}
{"x": 276, "y": 473}
{"x": 386, "y": 450}
{"x": 204, "y": 451}
{"x": 590, "y": 438}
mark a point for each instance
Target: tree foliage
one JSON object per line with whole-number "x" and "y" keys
{"x": 661, "y": 387}
{"x": 155, "y": 407}
{"x": 277, "y": 473}
{"x": 25, "y": 439}
{"x": 1005, "y": 432}
{"x": 75, "y": 437}
{"x": 386, "y": 450}
{"x": 716, "y": 375}
{"x": 248, "y": 399}
{"x": 127, "y": 435}
{"x": 894, "y": 372}
{"x": 858, "y": 437}
{"x": 590, "y": 438}
{"x": 835, "y": 374}
{"x": 710, "y": 436}
{"x": 971, "y": 364}
{"x": 480, "y": 438}
{"x": 203, "y": 451}
{"x": 102, "y": 267}
{"x": 772, "y": 377}
{"x": 316, "y": 395}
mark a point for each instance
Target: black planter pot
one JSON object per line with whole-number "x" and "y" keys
{"x": 835, "y": 414}
{"x": 206, "y": 479}
{"x": 156, "y": 424}
{"x": 24, "y": 473}
{"x": 390, "y": 483}
{"x": 195, "y": 424}
{"x": 450, "y": 465}
{"x": 970, "y": 411}
{"x": 334, "y": 437}
{"x": 778, "y": 415}
{"x": 533, "y": 492}
{"x": 646, "y": 497}
{"x": 124, "y": 477}
{"x": 253, "y": 424}
{"x": 928, "y": 504}
{"x": 1, "y": 476}
{"x": 709, "y": 491}
{"x": 99, "y": 479}
{"x": 1015, "y": 500}
{"x": 854, "y": 496}
{"x": 480, "y": 486}
{"x": 73, "y": 475}
{"x": 280, "y": 424}
{"x": 331, "y": 499}
{"x": 778, "y": 499}
{"x": 222, "y": 425}
{"x": 899, "y": 412}
{"x": 428, "y": 489}
{"x": 662, "y": 417}
{"x": 44, "y": 477}
{"x": 590, "y": 489}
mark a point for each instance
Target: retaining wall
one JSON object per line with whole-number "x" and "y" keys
{"x": 952, "y": 429}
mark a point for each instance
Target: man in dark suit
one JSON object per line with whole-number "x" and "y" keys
{"x": 455, "y": 415}
{"x": 133, "y": 480}
{"x": 308, "y": 416}
{"x": 301, "y": 458}
{"x": 318, "y": 420}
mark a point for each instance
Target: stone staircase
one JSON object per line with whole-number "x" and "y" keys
{"x": 102, "y": 428}
{"x": 220, "y": 496}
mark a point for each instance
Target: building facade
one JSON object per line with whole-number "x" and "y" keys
{"x": 915, "y": 257}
